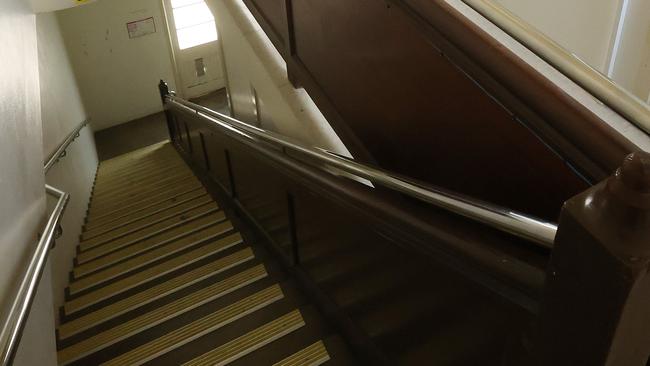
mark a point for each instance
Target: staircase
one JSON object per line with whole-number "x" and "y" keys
{"x": 163, "y": 277}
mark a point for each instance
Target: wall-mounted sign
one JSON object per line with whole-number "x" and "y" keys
{"x": 141, "y": 28}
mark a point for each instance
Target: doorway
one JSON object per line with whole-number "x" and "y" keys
{"x": 194, "y": 38}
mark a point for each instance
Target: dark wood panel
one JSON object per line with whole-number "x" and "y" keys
{"x": 561, "y": 114}
{"x": 420, "y": 115}
{"x": 394, "y": 268}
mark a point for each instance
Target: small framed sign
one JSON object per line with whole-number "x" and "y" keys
{"x": 141, "y": 28}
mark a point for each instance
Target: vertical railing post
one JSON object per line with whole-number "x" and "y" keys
{"x": 596, "y": 305}
{"x": 163, "y": 88}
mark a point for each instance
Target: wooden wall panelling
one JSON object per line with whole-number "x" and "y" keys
{"x": 580, "y": 126}
{"x": 373, "y": 269}
{"x": 418, "y": 114}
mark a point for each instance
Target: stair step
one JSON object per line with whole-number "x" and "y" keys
{"x": 189, "y": 211}
{"x": 161, "y": 277}
{"x": 114, "y": 288}
{"x": 161, "y": 253}
{"x": 128, "y": 215}
{"x": 100, "y": 208}
{"x": 314, "y": 355}
{"x": 146, "y": 296}
{"x": 251, "y": 341}
{"x": 115, "y": 232}
{"x": 154, "y": 227}
{"x": 191, "y": 231}
{"x": 143, "y": 178}
{"x": 111, "y": 168}
{"x": 135, "y": 159}
{"x": 122, "y": 189}
{"x": 151, "y": 319}
{"x": 315, "y": 330}
{"x": 199, "y": 328}
{"x": 127, "y": 194}
{"x": 155, "y": 160}
{"x": 140, "y": 169}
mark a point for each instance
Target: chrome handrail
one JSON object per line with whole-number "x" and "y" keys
{"x": 14, "y": 320}
{"x": 61, "y": 150}
{"x": 603, "y": 88}
{"x": 503, "y": 219}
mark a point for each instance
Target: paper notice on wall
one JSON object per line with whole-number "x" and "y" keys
{"x": 141, "y": 28}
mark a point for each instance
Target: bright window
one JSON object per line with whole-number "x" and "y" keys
{"x": 194, "y": 23}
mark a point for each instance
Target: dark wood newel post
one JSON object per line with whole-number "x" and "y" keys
{"x": 164, "y": 92}
{"x": 596, "y": 306}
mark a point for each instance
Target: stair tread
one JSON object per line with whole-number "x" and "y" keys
{"x": 188, "y": 230}
{"x": 130, "y": 214}
{"x": 142, "y": 277}
{"x": 145, "y": 321}
{"x": 153, "y": 226}
{"x": 117, "y": 231}
{"x": 211, "y": 241}
{"x": 162, "y": 277}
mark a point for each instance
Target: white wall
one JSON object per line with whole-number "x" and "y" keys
{"x": 22, "y": 197}
{"x": 252, "y": 61}
{"x": 118, "y": 76}
{"x": 62, "y": 110}
{"x": 584, "y": 27}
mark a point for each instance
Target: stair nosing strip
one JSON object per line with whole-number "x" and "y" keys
{"x": 91, "y": 223}
{"x": 317, "y": 350}
{"x": 102, "y": 209}
{"x": 126, "y": 288}
{"x": 130, "y": 333}
{"x": 209, "y": 202}
{"x": 176, "y": 204}
{"x": 181, "y": 342}
{"x": 260, "y": 332}
{"x": 117, "y": 200}
{"x": 177, "y": 169}
{"x": 223, "y": 218}
{"x": 147, "y": 186}
{"x": 166, "y": 255}
{"x": 150, "y": 299}
{"x": 151, "y": 170}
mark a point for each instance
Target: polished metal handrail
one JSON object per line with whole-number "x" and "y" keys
{"x": 500, "y": 218}
{"x": 603, "y": 88}
{"x": 61, "y": 150}
{"x": 14, "y": 321}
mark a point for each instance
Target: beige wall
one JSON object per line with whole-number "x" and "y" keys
{"x": 251, "y": 61}
{"x": 62, "y": 110}
{"x": 41, "y": 6}
{"x": 584, "y": 27}
{"x": 117, "y": 75}
{"x": 48, "y": 116}
{"x": 21, "y": 171}
{"x": 22, "y": 196}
